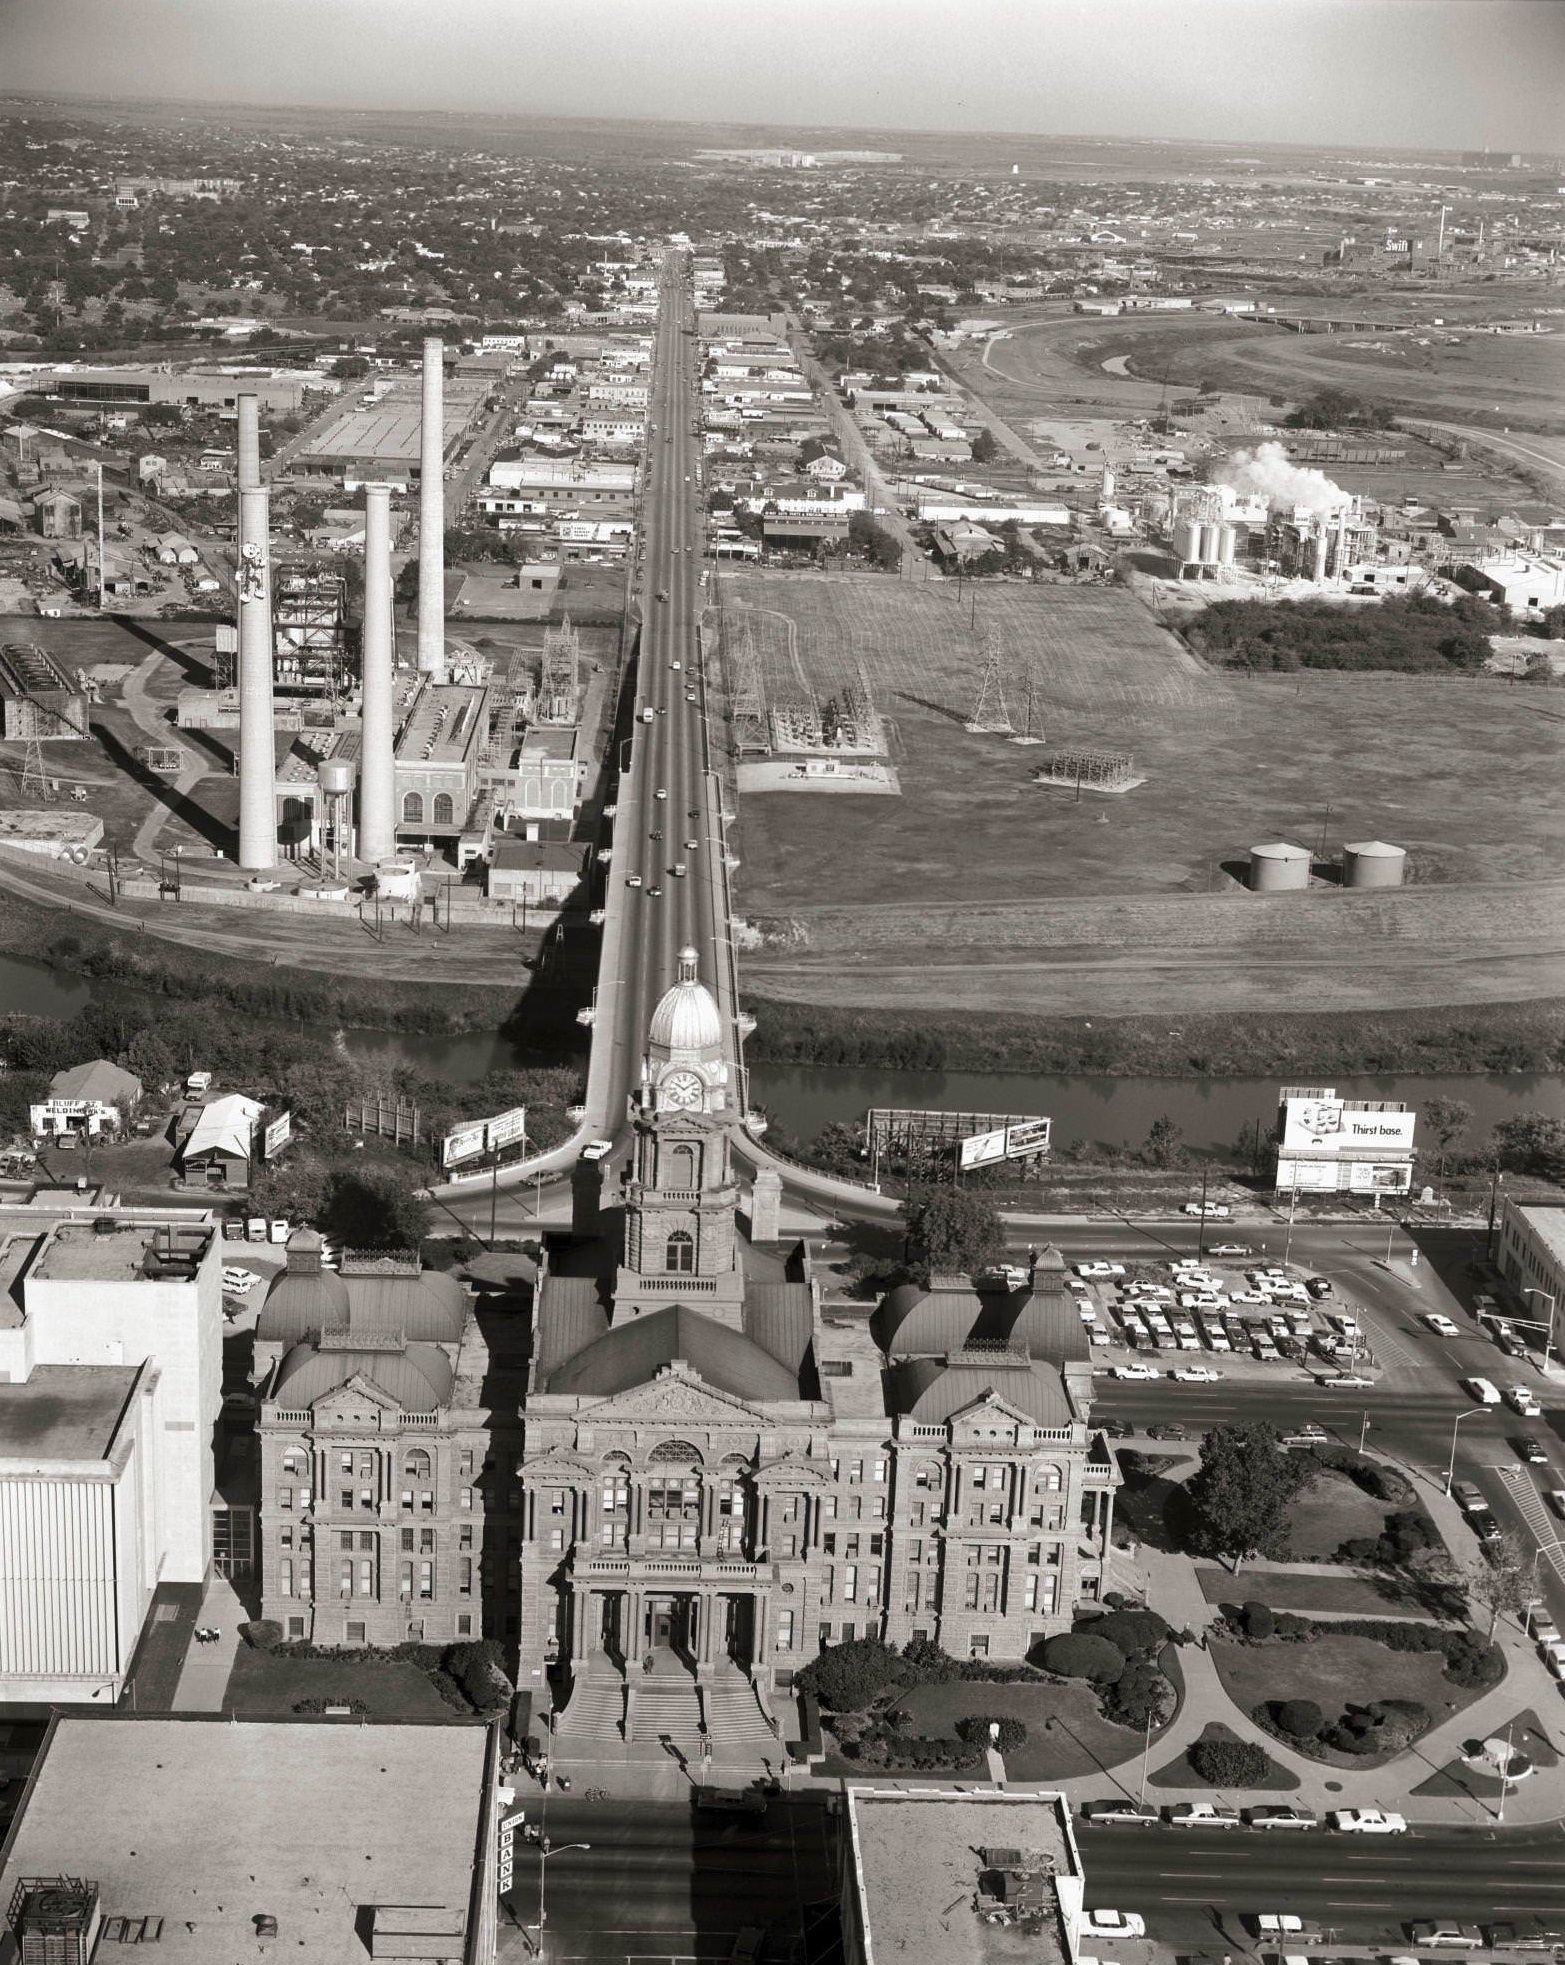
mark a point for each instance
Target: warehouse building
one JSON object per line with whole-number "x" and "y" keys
{"x": 37, "y": 698}
{"x": 282, "y": 391}
{"x": 379, "y": 442}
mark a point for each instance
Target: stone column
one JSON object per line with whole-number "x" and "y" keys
{"x": 760, "y": 1629}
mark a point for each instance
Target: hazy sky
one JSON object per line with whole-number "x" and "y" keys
{"x": 1419, "y": 73}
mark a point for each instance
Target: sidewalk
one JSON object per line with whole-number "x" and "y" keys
{"x": 204, "y": 1680}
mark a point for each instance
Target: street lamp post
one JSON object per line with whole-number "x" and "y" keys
{"x": 546, "y": 1849}
{"x": 1450, "y": 1468}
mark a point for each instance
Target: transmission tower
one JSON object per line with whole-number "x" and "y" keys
{"x": 1031, "y": 731}
{"x": 990, "y": 717}
{"x": 752, "y": 728}
{"x": 35, "y": 779}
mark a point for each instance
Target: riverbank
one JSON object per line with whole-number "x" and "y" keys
{"x": 155, "y": 967}
{"x": 1303, "y": 1045}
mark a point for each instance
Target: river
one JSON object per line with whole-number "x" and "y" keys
{"x": 803, "y": 1098}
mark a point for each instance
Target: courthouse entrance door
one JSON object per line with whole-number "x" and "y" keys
{"x": 670, "y": 1624}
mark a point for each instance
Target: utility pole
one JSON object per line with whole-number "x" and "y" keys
{"x": 100, "y": 539}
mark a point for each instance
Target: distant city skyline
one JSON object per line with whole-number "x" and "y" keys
{"x": 1410, "y": 74}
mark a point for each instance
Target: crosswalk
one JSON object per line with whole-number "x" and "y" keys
{"x": 1540, "y": 1523}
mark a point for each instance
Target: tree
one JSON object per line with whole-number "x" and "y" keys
{"x": 1501, "y": 1580}
{"x": 985, "y": 447}
{"x": 951, "y": 1232}
{"x": 1242, "y": 1490}
{"x": 1301, "y": 1719}
{"x": 1447, "y": 1119}
{"x": 1532, "y": 1143}
{"x": 374, "y": 1208}
{"x": 847, "y": 1677}
{"x": 1229, "y": 1763}
{"x": 1162, "y": 1148}
{"x": 1081, "y": 1654}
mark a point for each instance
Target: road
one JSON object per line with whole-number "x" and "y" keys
{"x": 656, "y": 1884}
{"x": 1346, "y": 1884}
{"x": 667, "y": 816}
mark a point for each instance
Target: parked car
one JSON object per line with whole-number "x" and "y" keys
{"x": 1202, "y": 1815}
{"x": 1117, "y": 1814}
{"x": 1196, "y": 1374}
{"x": 1368, "y": 1821}
{"x": 1280, "y": 1815}
{"x": 1557, "y": 1500}
{"x": 1114, "y": 1924}
{"x": 1168, "y": 1429}
{"x": 1484, "y": 1525}
{"x": 1318, "y": 1286}
{"x": 1135, "y": 1371}
{"x": 1309, "y": 1435}
{"x": 1231, "y": 1248}
{"x": 1445, "y": 1932}
{"x": 1468, "y": 1496}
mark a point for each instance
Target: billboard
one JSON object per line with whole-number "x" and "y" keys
{"x": 276, "y": 1136}
{"x": 483, "y": 1138}
{"x": 1017, "y": 1140}
{"x": 1323, "y": 1123}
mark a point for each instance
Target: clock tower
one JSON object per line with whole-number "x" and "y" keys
{"x": 680, "y": 1191}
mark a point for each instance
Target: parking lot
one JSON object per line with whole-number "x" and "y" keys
{"x": 1231, "y": 1315}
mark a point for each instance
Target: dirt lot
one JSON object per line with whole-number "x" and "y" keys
{"x": 979, "y": 886}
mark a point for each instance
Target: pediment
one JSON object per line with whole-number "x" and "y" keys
{"x": 990, "y": 1406}
{"x": 354, "y": 1386}
{"x": 556, "y": 1463}
{"x": 674, "y": 1395}
{"x": 789, "y": 1469}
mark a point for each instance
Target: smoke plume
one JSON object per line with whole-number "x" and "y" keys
{"x": 1266, "y": 471}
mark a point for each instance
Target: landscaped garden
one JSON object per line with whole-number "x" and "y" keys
{"x": 411, "y": 1681}
{"x": 1349, "y": 1692}
{"x": 1081, "y": 1704}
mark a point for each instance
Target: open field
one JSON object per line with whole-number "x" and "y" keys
{"x": 1505, "y": 379}
{"x": 979, "y": 888}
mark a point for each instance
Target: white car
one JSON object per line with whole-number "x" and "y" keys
{"x": 1202, "y": 1815}
{"x": 1231, "y": 1248}
{"x": 1135, "y": 1371}
{"x": 1344, "y": 1381}
{"x": 633, "y": 880}
{"x": 1196, "y": 1374}
{"x": 1367, "y": 1821}
{"x": 1481, "y": 1390}
{"x": 1442, "y": 1326}
{"x": 661, "y": 792}
{"x": 1114, "y": 1924}
{"x": 1522, "y": 1399}
{"x": 1249, "y": 1296}
{"x": 238, "y": 1281}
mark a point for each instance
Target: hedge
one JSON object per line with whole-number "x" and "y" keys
{"x": 1229, "y": 1763}
{"x": 974, "y": 1729}
{"x": 1081, "y": 1654}
{"x": 1301, "y": 1718}
{"x": 1135, "y": 1630}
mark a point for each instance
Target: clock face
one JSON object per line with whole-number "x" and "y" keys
{"x": 681, "y": 1091}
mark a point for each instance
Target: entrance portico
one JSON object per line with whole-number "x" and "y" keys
{"x": 622, "y": 1628}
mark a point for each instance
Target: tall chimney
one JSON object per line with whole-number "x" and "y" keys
{"x": 432, "y": 517}
{"x": 257, "y": 756}
{"x": 377, "y": 834}
{"x": 249, "y": 441}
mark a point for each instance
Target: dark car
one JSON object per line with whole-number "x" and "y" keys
{"x": 1484, "y": 1526}
{"x": 1530, "y": 1449}
{"x": 1168, "y": 1429}
{"x": 729, "y": 1801}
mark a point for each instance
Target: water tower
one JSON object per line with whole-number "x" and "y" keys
{"x": 336, "y": 776}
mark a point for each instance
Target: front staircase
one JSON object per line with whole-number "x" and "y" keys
{"x": 595, "y": 1715}
{"x": 609, "y": 1716}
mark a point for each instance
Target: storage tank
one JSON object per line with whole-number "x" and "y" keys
{"x": 1372, "y": 863}
{"x": 1227, "y": 544}
{"x": 1187, "y": 541}
{"x": 1279, "y": 868}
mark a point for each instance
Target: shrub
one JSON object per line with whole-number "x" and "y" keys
{"x": 1292, "y": 1626}
{"x": 1471, "y": 1662}
{"x": 1133, "y": 1631}
{"x": 477, "y": 1669}
{"x": 848, "y": 1677}
{"x": 262, "y": 1634}
{"x": 1082, "y": 1654}
{"x": 927, "y": 1664}
{"x": 1259, "y": 1621}
{"x": 1229, "y": 1763}
{"x": 1140, "y": 1695}
{"x": 319, "y": 1704}
{"x": 974, "y": 1729}
{"x": 1301, "y": 1718}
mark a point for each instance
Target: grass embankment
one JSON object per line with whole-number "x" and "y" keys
{"x": 1344, "y": 1043}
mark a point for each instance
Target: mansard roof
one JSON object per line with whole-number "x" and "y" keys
{"x": 417, "y": 1377}
{"x": 913, "y": 1321}
{"x": 932, "y": 1389}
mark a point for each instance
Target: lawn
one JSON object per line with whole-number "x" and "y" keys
{"x": 1458, "y": 1779}
{"x": 1347, "y": 1593}
{"x": 264, "y": 1683}
{"x": 1067, "y": 1736}
{"x": 1333, "y": 1670}
{"x": 1180, "y": 1774}
{"x": 1332, "y": 1509}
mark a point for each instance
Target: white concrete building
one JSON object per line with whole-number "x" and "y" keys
{"x": 131, "y": 1301}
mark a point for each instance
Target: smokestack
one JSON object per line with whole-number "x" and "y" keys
{"x": 257, "y": 756}
{"x": 432, "y": 517}
{"x": 377, "y": 834}
{"x": 249, "y": 442}
{"x": 1318, "y": 552}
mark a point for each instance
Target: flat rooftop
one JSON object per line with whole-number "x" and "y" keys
{"x": 447, "y": 718}
{"x": 320, "y": 1824}
{"x": 64, "y": 1412}
{"x": 1548, "y": 1224}
{"x": 917, "y": 1864}
{"x": 388, "y": 432}
{"x": 126, "y": 1251}
{"x": 849, "y": 1364}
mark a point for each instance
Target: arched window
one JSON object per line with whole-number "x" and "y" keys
{"x": 413, "y": 808}
{"x": 445, "y": 810}
{"x": 293, "y": 1462}
{"x": 417, "y": 1465}
{"x": 682, "y": 1167}
{"x": 680, "y": 1258}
